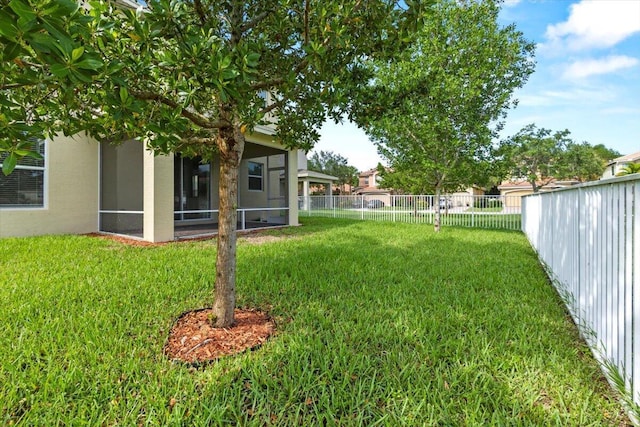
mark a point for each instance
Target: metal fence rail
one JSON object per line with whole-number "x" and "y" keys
{"x": 498, "y": 212}
{"x": 588, "y": 238}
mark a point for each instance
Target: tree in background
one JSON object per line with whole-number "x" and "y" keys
{"x": 535, "y": 155}
{"x": 333, "y": 164}
{"x": 541, "y": 155}
{"x": 190, "y": 77}
{"x": 605, "y": 154}
{"x": 582, "y": 162}
{"x": 434, "y": 111}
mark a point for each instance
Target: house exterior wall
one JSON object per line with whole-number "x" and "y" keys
{"x": 466, "y": 197}
{"x": 71, "y": 191}
{"x": 514, "y": 197}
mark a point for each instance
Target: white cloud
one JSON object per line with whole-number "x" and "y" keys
{"x": 589, "y": 67}
{"x": 569, "y": 97}
{"x": 595, "y": 24}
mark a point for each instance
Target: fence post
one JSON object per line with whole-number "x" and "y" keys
{"x": 393, "y": 208}
{"x": 473, "y": 210}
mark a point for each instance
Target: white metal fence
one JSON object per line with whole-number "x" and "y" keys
{"x": 502, "y": 212}
{"x": 588, "y": 238}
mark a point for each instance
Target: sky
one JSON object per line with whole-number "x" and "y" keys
{"x": 587, "y": 77}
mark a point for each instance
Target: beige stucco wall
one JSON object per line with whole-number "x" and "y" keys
{"x": 292, "y": 196}
{"x": 513, "y": 198}
{"x": 71, "y": 192}
{"x": 158, "y": 197}
{"x": 72, "y": 189}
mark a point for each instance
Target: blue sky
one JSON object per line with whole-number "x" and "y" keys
{"x": 587, "y": 77}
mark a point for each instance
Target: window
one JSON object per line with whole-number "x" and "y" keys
{"x": 255, "y": 176}
{"x": 24, "y": 187}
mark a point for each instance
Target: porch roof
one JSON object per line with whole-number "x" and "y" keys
{"x": 313, "y": 176}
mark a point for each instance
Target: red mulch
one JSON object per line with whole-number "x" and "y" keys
{"x": 124, "y": 240}
{"x": 192, "y": 339}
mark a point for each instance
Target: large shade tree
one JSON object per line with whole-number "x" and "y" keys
{"x": 439, "y": 105}
{"x": 536, "y": 155}
{"x": 336, "y": 165}
{"x": 190, "y": 77}
{"x": 583, "y": 162}
{"x": 540, "y": 155}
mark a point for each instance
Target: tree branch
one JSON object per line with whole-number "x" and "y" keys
{"x": 269, "y": 108}
{"x": 306, "y": 22}
{"x": 195, "y": 118}
{"x": 255, "y": 21}
{"x": 200, "y": 11}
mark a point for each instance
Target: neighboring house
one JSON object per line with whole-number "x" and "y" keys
{"x": 368, "y": 186}
{"x": 617, "y": 164}
{"x": 512, "y": 191}
{"x": 467, "y": 196}
{"x": 83, "y": 186}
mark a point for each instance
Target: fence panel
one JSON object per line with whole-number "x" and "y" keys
{"x": 588, "y": 239}
{"x": 498, "y": 212}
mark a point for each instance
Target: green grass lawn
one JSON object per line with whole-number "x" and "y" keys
{"x": 379, "y": 324}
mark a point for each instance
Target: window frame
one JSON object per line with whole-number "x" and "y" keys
{"x": 45, "y": 180}
{"x": 250, "y": 176}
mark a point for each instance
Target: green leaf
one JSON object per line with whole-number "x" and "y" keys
{"x": 229, "y": 74}
{"x": 23, "y": 10}
{"x": 9, "y": 163}
{"x": 62, "y": 41}
{"x": 65, "y": 8}
{"x": 124, "y": 94}
{"x": 226, "y": 61}
{"x": 12, "y": 51}
{"x": 59, "y": 70}
{"x": 89, "y": 64}
{"x": 7, "y": 26}
{"x": 81, "y": 75}
{"x": 76, "y": 54}
{"x": 42, "y": 42}
{"x": 252, "y": 59}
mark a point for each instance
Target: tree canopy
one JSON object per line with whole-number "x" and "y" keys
{"x": 43, "y": 61}
{"x": 192, "y": 77}
{"x": 334, "y": 164}
{"x": 540, "y": 155}
{"x": 434, "y": 111}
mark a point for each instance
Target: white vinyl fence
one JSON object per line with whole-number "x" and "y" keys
{"x": 588, "y": 238}
{"x": 501, "y": 212}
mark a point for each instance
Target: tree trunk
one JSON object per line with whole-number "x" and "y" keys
{"x": 534, "y": 186}
{"x": 231, "y": 145}
{"x": 436, "y": 219}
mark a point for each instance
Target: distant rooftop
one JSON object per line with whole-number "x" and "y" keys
{"x": 633, "y": 157}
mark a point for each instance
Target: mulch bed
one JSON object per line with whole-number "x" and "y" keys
{"x": 192, "y": 339}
